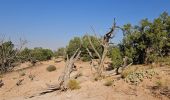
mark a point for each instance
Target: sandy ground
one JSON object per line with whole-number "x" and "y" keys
{"x": 90, "y": 89}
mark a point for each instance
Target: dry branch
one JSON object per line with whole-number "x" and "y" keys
{"x": 64, "y": 78}
{"x": 105, "y": 45}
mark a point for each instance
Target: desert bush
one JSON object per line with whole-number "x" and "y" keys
{"x": 22, "y": 73}
{"x": 128, "y": 71}
{"x": 51, "y": 68}
{"x": 73, "y": 84}
{"x": 41, "y": 54}
{"x": 60, "y": 52}
{"x": 8, "y": 56}
{"x": 31, "y": 77}
{"x": 108, "y": 82}
{"x": 116, "y": 57}
{"x": 25, "y": 55}
{"x": 136, "y": 77}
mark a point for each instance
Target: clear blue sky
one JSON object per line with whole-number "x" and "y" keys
{"x": 52, "y": 23}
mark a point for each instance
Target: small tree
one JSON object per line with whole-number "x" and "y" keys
{"x": 60, "y": 52}
{"x": 9, "y": 55}
{"x": 116, "y": 57}
{"x": 41, "y": 54}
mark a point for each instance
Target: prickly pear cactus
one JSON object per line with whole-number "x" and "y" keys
{"x": 136, "y": 77}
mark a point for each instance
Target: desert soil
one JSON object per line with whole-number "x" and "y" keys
{"x": 90, "y": 89}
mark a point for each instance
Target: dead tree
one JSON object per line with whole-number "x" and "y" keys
{"x": 64, "y": 77}
{"x": 69, "y": 67}
{"x": 105, "y": 45}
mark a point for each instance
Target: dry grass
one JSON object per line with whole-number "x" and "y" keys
{"x": 22, "y": 73}
{"x": 128, "y": 71}
{"x": 163, "y": 83}
{"x": 73, "y": 84}
{"x": 108, "y": 82}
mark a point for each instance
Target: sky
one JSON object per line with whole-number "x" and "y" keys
{"x": 52, "y": 23}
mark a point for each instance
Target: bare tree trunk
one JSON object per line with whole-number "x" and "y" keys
{"x": 64, "y": 78}
{"x": 105, "y": 44}
{"x": 101, "y": 64}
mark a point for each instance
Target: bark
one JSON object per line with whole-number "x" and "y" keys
{"x": 64, "y": 78}
{"x": 105, "y": 44}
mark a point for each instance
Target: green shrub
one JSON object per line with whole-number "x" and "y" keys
{"x": 83, "y": 44}
{"x": 41, "y": 54}
{"x": 51, "y": 68}
{"x": 116, "y": 57}
{"x": 59, "y": 52}
{"x": 73, "y": 84}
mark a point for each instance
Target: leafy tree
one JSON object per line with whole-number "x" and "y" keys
{"x": 60, "y": 52}
{"x": 73, "y": 45}
{"x": 7, "y": 56}
{"x": 83, "y": 44}
{"x": 116, "y": 57}
{"x": 25, "y": 55}
{"x": 41, "y": 54}
{"x": 86, "y": 44}
{"x": 148, "y": 40}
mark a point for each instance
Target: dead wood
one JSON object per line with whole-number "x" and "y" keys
{"x": 1, "y": 83}
{"x": 19, "y": 82}
{"x": 105, "y": 45}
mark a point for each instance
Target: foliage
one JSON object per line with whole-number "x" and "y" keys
{"x": 51, "y": 68}
{"x": 147, "y": 41}
{"x": 34, "y": 55}
{"x": 83, "y": 44}
{"x": 59, "y": 52}
{"x": 73, "y": 45}
{"x": 25, "y": 55}
{"x": 116, "y": 57}
{"x": 41, "y": 54}
{"x": 73, "y": 84}
{"x": 7, "y": 56}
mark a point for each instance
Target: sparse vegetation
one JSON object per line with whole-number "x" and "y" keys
{"x": 128, "y": 71}
{"x": 21, "y": 73}
{"x": 142, "y": 45}
{"x": 31, "y": 77}
{"x": 146, "y": 42}
{"x": 116, "y": 56}
{"x": 60, "y": 52}
{"x": 51, "y": 68}
{"x": 8, "y": 56}
{"x": 138, "y": 76}
{"x": 73, "y": 84}
{"x": 108, "y": 82}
